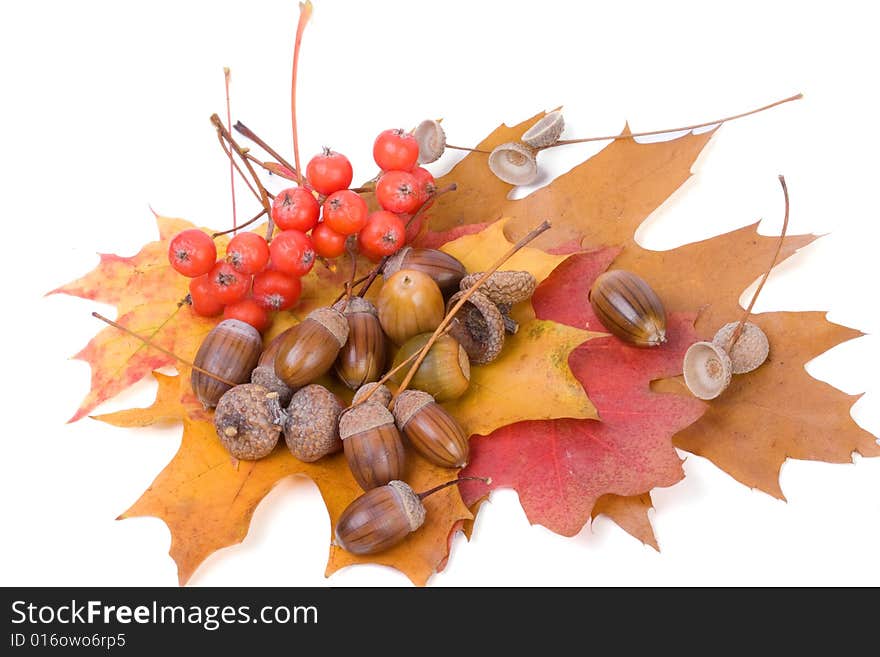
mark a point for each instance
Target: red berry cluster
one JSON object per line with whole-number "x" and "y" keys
{"x": 257, "y": 276}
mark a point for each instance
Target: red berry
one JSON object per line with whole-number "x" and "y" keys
{"x": 201, "y": 294}
{"x": 295, "y": 208}
{"x": 395, "y": 149}
{"x": 425, "y": 185}
{"x": 383, "y": 235}
{"x": 292, "y": 253}
{"x": 248, "y": 311}
{"x": 248, "y": 253}
{"x": 228, "y": 285}
{"x": 274, "y": 290}
{"x": 329, "y": 172}
{"x": 192, "y": 252}
{"x": 397, "y": 191}
{"x": 327, "y": 242}
{"x": 345, "y": 212}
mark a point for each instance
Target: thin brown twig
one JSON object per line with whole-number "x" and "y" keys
{"x": 243, "y": 130}
{"x": 464, "y": 298}
{"x": 305, "y": 11}
{"x": 244, "y": 225}
{"x": 431, "y": 491}
{"x": 165, "y": 351}
{"x": 226, "y": 76}
{"x": 739, "y": 327}
{"x": 244, "y": 177}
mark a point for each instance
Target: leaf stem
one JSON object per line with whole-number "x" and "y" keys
{"x": 165, "y": 351}
{"x": 739, "y": 327}
{"x": 467, "y": 295}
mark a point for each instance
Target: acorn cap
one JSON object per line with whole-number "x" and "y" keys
{"x": 408, "y": 403}
{"x": 412, "y": 505}
{"x": 333, "y": 320}
{"x": 311, "y": 427}
{"x": 546, "y": 131}
{"x": 750, "y": 350}
{"x": 707, "y": 370}
{"x": 355, "y": 305}
{"x": 432, "y": 140}
{"x": 514, "y": 163}
{"x": 248, "y": 421}
{"x": 265, "y": 376}
{"x": 381, "y": 396}
{"x": 503, "y": 287}
{"x": 363, "y": 417}
{"x": 478, "y": 326}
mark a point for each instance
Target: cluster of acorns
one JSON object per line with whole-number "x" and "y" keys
{"x": 261, "y": 394}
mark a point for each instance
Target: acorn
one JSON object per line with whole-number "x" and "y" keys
{"x": 750, "y": 349}
{"x": 445, "y": 372}
{"x": 309, "y": 349}
{"x": 409, "y": 303}
{"x": 380, "y": 396}
{"x": 505, "y": 289}
{"x": 384, "y": 516}
{"x": 446, "y": 270}
{"x": 311, "y": 428}
{"x": 432, "y": 140}
{"x": 230, "y": 351}
{"x": 248, "y": 420}
{"x": 707, "y": 370}
{"x": 431, "y": 429}
{"x": 514, "y": 163}
{"x": 478, "y": 326}
{"x": 264, "y": 374}
{"x": 546, "y": 130}
{"x": 372, "y": 444}
{"x": 362, "y": 357}
{"x": 628, "y": 308}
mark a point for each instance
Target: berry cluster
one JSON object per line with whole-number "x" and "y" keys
{"x": 317, "y": 219}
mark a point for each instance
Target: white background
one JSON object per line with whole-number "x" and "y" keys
{"x": 105, "y": 111}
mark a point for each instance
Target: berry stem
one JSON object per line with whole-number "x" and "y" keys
{"x": 233, "y": 229}
{"x": 431, "y": 491}
{"x": 742, "y": 322}
{"x": 165, "y": 351}
{"x": 564, "y": 142}
{"x": 226, "y": 75}
{"x": 244, "y": 177}
{"x": 447, "y": 320}
{"x": 247, "y": 133}
{"x": 305, "y": 11}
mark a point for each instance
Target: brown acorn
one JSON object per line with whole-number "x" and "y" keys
{"x": 362, "y": 357}
{"x": 264, "y": 374}
{"x": 430, "y": 428}
{"x": 384, "y": 516}
{"x": 248, "y": 421}
{"x": 446, "y": 270}
{"x": 372, "y": 444}
{"x": 311, "y": 428}
{"x": 309, "y": 349}
{"x": 628, "y": 307}
{"x": 409, "y": 303}
{"x": 230, "y": 351}
{"x": 445, "y": 372}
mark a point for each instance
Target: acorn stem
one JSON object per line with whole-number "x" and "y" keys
{"x": 465, "y": 148}
{"x": 705, "y": 124}
{"x": 246, "y": 132}
{"x": 485, "y": 480}
{"x": 464, "y": 297}
{"x": 739, "y": 327}
{"x": 305, "y": 11}
{"x": 165, "y": 351}
{"x": 235, "y": 228}
{"x": 226, "y": 75}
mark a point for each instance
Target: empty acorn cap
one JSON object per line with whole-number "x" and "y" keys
{"x": 503, "y": 287}
{"x": 750, "y": 350}
{"x": 478, "y": 326}
{"x": 546, "y": 131}
{"x": 707, "y": 370}
{"x": 514, "y": 163}
{"x": 432, "y": 140}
